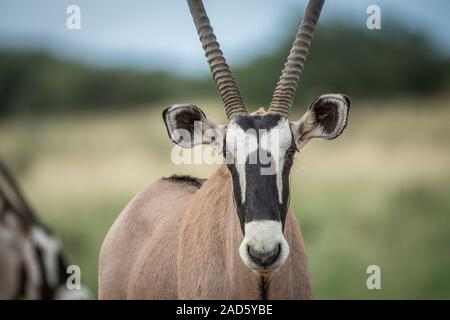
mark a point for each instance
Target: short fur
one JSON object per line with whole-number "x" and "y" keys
{"x": 173, "y": 241}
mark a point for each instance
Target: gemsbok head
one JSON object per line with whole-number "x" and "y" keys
{"x": 33, "y": 262}
{"x": 259, "y": 147}
{"x": 233, "y": 235}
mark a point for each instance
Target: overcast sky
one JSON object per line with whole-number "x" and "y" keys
{"x": 161, "y": 34}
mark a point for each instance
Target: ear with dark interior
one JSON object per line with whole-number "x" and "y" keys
{"x": 188, "y": 126}
{"x": 326, "y": 118}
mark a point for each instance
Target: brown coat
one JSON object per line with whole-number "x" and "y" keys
{"x": 174, "y": 241}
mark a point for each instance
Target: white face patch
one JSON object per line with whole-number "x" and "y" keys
{"x": 240, "y": 144}
{"x": 263, "y": 237}
{"x": 276, "y": 142}
{"x": 50, "y": 248}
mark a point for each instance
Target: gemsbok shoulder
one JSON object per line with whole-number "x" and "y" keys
{"x": 233, "y": 235}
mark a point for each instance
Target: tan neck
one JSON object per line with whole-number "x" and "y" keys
{"x": 209, "y": 244}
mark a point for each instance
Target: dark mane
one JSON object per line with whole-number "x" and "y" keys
{"x": 191, "y": 181}
{"x": 264, "y": 288}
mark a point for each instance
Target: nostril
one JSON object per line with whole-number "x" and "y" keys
{"x": 265, "y": 258}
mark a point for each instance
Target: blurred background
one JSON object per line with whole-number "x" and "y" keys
{"x": 81, "y": 126}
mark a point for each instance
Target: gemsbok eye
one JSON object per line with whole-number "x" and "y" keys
{"x": 291, "y": 152}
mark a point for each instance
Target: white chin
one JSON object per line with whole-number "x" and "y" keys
{"x": 263, "y": 236}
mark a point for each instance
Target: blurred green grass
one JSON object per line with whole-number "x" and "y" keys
{"x": 377, "y": 195}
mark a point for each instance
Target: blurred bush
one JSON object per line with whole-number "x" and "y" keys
{"x": 360, "y": 62}
{"x": 356, "y": 61}
{"x": 40, "y": 83}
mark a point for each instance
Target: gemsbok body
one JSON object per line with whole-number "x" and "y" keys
{"x": 233, "y": 235}
{"x": 32, "y": 261}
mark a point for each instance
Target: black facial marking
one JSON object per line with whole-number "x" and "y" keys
{"x": 237, "y": 195}
{"x": 261, "y": 192}
{"x": 261, "y": 196}
{"x": 258, "y": 122}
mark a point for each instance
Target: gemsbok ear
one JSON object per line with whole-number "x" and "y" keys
{"x": 326, "y": 118}
{"x": 188, "y": 126}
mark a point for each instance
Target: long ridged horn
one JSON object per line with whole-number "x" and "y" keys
{"x": 17, "y": 202}
{"x": 224, "y": 79}
{"x": 284, "y": 94}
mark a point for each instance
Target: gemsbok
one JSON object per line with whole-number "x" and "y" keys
{"x": 32, "y": 262}
{"x": 233, "y": 235}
